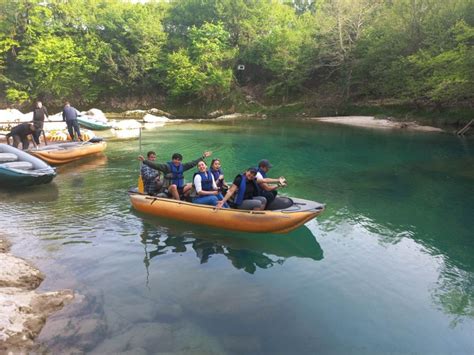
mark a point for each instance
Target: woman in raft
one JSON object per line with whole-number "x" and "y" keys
{"x": 218, "y": 174}
{"x": 206, "y": 188}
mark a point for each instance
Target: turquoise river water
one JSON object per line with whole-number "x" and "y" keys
{"x": 387, "y": 268}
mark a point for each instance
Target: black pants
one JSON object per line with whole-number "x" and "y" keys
{"x": 38, "y": 131}
{"x": 21, "y": 139}
{"x": 269, "y": 195}
{"x": 73, "y": 126}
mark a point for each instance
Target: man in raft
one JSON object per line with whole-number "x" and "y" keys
{"x": 174, "y": 173}
{"x": 151, "y": 177}
{"x": 247, "y": 197}
{"x": 266, "y": 185}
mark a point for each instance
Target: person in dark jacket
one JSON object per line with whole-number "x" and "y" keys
{"x": 20, "y": 134}
{"x": 173, "y": 170}
{"x": 246, "y": 192}
{"x": 70, "y": 116}
{"x": 39, "y": 114}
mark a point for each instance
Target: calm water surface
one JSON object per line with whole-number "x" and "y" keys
{"x": 388, "y": 267}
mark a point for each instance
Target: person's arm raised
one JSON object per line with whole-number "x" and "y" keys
{"x": 191, "y": 164}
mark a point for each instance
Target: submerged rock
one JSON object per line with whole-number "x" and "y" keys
{"x": 78, "y": 329}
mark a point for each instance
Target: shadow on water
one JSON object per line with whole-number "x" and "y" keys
{"x": 247, "y": 252}
{"x": 37, "y": 193}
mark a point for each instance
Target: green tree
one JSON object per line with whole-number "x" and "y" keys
{"x": 59, "y": 68}
{"x": 203, "y": 68}
{"x": 448, "y": 76}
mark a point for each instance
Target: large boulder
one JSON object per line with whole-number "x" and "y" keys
{"x": 238, "y": 116}
{"x": 13, "y": 115}
{"x": 9, "y": 118}
{"x": 140, "y": 114}
{"x": 23, "y": 311}
{"x": 96, "y": 114}
{"x": 126, "y": 124}
{"x": 155, "y": 119}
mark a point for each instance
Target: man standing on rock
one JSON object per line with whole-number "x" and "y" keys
{"x": 39, "y": 114}
{"x": 70, "y": 116}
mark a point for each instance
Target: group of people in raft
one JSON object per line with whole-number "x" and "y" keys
{"x": 251, "y": 190}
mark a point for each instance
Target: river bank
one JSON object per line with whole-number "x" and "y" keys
{"x": 372, "y": 122}
{"x": 23, "y": 311}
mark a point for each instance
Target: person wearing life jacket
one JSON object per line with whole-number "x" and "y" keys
{"x": 206, "y": 188}
{"x": 266, "y": 185}
{"x": 218, "y": 174}
{"x": 173, "y": 173}
{"x": 245, "y": 189}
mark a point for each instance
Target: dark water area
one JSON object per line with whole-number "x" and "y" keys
{"x": 387, "y": 268}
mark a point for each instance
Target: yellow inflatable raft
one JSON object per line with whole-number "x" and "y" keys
{"x": 277, "y": 221}
{"x": 66, "y": 152}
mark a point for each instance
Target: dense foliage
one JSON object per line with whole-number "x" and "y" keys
{"x": 89, "y": 50}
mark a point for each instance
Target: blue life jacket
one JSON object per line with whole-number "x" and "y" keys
{"x": 177, "y": 172}
{"x": 206, "y": 180}
{"x": 243, "y": 186}
{"x": 240, "y": 195}
{"x": 216, "y": 174}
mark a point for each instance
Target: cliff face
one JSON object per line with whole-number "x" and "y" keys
{"x": 23, "y": 311}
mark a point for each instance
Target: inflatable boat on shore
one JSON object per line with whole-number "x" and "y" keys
{"x": 63, "y": 153}
{"x": 18, "y": 168}
{"x": 93, "y": 124}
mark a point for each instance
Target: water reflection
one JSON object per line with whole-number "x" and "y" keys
{"x": 455, "y": 294}
{"x": 247, "y": 252}
{"x": 83, "y": 165}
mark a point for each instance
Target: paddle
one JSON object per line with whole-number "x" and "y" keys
{"x": 140, "y": 184}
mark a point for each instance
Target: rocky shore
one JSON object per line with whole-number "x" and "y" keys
{"x": 23, "y": 311}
